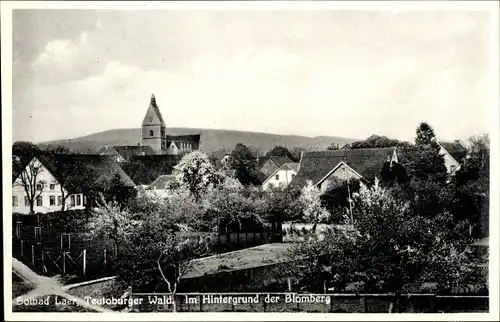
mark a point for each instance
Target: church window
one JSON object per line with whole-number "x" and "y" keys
{"x": 151, "y": 133}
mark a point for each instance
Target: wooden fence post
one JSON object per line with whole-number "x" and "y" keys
{"x": 104, "y": 258}
{"x": 64, "y": 262}
{"x": 33, "y": 254}
{"x": 84, "y": 260}
{"x": 22, "y": 247}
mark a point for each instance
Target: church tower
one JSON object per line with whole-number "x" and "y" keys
{"x": 153, "y": 128}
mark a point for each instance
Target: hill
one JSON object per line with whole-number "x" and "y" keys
{"x": 211, "y": 140}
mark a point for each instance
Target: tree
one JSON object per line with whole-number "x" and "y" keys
{"x": 389, "y": 249}
{"x": 282, "y": 204}
{"x": 297, "y": 152}
{"x": 318, "y": 264}
{"x": 470, "y": 186}
{"x": 153, "y": 256}
{"x": 375, "y": 141}
{"x": 337, "y": 199}
{"x": 333, "y": 146}
{"x": 175, "y": 260}
{"x": 231, "y": 209}
{"x": 281, "y": 151}
{"x": 425, "y": 135}
{"x": 29, "y": 178}
{"x": 197, "y": 173}
{"x": 111, "y": 223}
{"x": 314, "y": 212}
{"x": 22, "y": 153}
{"x": 245, "y": 164}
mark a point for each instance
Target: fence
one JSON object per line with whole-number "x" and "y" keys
{"x": 49, "y": 252}
{"x": 318, "y": 303}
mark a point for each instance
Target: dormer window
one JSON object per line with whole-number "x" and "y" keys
{"x": 151, "y": 133}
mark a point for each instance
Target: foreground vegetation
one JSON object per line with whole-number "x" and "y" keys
{"x": 412, "y": 226}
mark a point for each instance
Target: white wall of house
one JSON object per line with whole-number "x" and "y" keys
{"x": 279, "y": 178}
{"x": 451, "y": 164}
{"x": 50, "y": 198}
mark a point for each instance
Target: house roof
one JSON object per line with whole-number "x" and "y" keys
{"x": 455, "y": 149}
{"x": 316, "y": 165}
{"x": 290, "y": 166}
{"x": 127, "y": 151}
{"x": 144, "y": 169}
{"x": 264, "y": 255}
{"x": 162, "y": 181}
{"x": 108, "y": 150}
{"x": 78, "y": 171}
{"x": 285, "y": 167}
{"x": 278, "y": 160}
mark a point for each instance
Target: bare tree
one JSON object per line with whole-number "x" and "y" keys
{"x": 178, "y": 258}
{"x": 33, "y": 186}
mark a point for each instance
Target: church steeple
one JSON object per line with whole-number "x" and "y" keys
{"x": 153, "y": 127}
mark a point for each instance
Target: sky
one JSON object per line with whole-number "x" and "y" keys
{"x": 312, "y": 73}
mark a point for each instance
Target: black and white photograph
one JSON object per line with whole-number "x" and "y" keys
{"x": 252, "y": 160}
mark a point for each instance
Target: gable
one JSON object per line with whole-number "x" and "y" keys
{"x": 44, "y": 174}
{"x": 317, "y": 165}
{"x": 341, "y": 173}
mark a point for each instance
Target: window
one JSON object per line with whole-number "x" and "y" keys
{"x": 151, "y": 133}
{"x": 78, "y": 200}
{"x": 39, "y": 201}
{"x": 277, "y": 177}
{"x": 59, "y": 200}
{"x": 26, "y": 201}
{"x": 39, "y": 187}
{"x": 52, "y": 200}
{"x": 52, "y": 186}
{"x": 84, "y": 200}
{"x": 14, "y": 201}
{"x": 72, "y": 201}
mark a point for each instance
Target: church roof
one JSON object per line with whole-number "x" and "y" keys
{"x": 153, "y": 115}
{"x": 316, "y": 165}
{"x": 184, "y": 138}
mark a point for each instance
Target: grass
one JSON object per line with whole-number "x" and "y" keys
{"x": 19, "y": 287}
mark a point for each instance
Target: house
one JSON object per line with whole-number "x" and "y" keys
{"x": 282, "y": 176}
{"x": 453, "y": 154}
{"x": 268, "y": 165}
{"x": 326, "y": 168}
{"x": 63, "y": 179}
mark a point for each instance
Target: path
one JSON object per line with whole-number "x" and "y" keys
{"x": 44, "y": 285}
